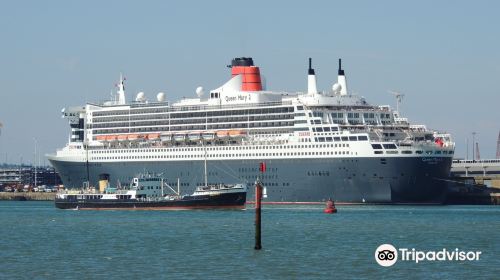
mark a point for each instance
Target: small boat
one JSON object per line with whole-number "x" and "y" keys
{"x": 194, "y": 136}
{"x": 166, "y": 137}
{"x": 208, "y": 135}
{"x": 149, "y": 192}
{"x": 222, "y": 133}
{"x": 237, "y": 133}
{"x": 180, "y": 137}
{"x": 153, "y": 136}
{"x": 100, "y": 138}
{"x": 133, "y": 137}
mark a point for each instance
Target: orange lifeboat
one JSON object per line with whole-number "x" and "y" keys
{"x": 153, "y": 136}
{"x": 100, "y": 138}
{"x": 237, "y": 133}
{"x": 122, "y": 137}
{"x": 133, "y": 137}
{"x": 110, "y": 137}
{"x": 222, "y": 133}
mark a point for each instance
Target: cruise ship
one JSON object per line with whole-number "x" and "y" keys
{"x": 316, "y": 144}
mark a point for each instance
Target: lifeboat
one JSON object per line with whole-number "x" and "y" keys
{"x": 194, "y": 136}
{"x": 110, "y": 137}
{"x": 153, "y": 136}
{"x": 180, "y": 137}
{"x": 166, "y": 137}
{"x": 237, "y": 133}
{"x": 133, "y": 137}
{"x": 208, "y": 135}
{"x": 100, "y": 138}
{"x": 122, "y": 137}
{"x": 222, "y": 133}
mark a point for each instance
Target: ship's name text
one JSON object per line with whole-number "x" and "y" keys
{"x": 243, "y": 98}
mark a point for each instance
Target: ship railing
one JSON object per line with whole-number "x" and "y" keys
{"x": 469, "y": 161}
{"x": 72, "y": 191}
{"x": 159, "y": 198}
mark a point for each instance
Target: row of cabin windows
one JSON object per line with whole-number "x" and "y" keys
{"x": 236, "y": 148}
{"x": 192, "y": 127}
{"x": 386, "y": 146}
{"x": 267, "y": 184}
{"x": 337, "y": 139}
{"x": 229, "y": 155}
{"x": 325, "y": 129}
{"x": 173, "y": 112}
{"x": 132, "y": 111}
{"x": 204, "y": 118}
{"x": 318, "y": 173}
{"x": 149, "y": 122}
{"x": 357, "y": 115}
{"x": 378, "y": 147}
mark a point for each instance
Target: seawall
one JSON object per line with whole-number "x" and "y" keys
{"x": 27, "y": 196}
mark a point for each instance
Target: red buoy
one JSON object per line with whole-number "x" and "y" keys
{"x": 330, "y": 207}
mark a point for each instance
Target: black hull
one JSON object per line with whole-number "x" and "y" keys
{"x": 221, "y": 201}
{"x": 345, "y": 180}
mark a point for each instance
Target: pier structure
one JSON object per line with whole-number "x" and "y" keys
{"x": 484, "y": 171}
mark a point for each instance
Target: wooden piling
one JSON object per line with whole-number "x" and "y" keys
{"x": 258, "y": 198}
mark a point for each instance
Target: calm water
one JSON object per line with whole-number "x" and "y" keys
{"x": 39, "y": 242}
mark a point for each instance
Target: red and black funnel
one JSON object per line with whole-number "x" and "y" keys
{"x": 250, "y": 74}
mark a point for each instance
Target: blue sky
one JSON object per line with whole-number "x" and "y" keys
{"x": 444, "y": 55}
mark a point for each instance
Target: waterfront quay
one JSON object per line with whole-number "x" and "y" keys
{"x": 20, "y": 182}
{"x": 484, "y": 171}
{"x": 22, "y": 196}
{"x": 474, "y": 182}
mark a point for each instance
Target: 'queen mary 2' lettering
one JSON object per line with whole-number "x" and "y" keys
{"x": 239, "y": 98}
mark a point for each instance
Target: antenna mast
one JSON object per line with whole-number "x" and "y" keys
{"x": 473, "y": 144}
{"x": 498, "y": 146}
{"x": 478, "y": 156}
{"x": 399, "y": 98}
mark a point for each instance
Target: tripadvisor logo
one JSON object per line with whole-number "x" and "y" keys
{"x": 388, "y": 255}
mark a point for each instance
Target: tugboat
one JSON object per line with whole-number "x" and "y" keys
{"x": 147, "y": 192}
